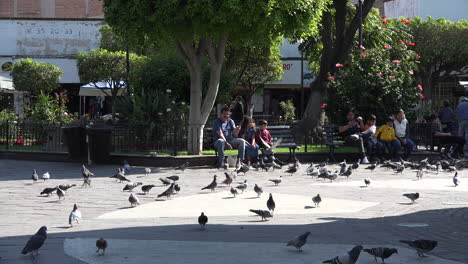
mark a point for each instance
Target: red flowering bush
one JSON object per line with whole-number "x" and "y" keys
{"x": 19, "y": 141}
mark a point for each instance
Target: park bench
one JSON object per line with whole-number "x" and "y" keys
{"x": 332, "y": 139}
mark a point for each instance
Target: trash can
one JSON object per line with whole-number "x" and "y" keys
{"x": 99, "y": 140}
{"x": 75, "y": 139}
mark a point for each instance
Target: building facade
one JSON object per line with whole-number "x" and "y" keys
{"x": 69, "y": 9}
{"x": 453, "y": 10}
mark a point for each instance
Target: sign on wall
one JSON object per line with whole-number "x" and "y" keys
{"x": 292, "y": 73}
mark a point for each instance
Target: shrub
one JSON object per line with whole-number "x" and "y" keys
{"x": 289, "y": 111}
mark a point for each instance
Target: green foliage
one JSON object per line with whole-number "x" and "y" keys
{"x": 7, "y": 115}
{"x": 289, "y": 111}
{"x": 45, "y": 109}
{"x": 374, "y": 81}
{"x": 442, "y": 45}
{"x": 111, "y": 41}
{"x": 35, "y": 77}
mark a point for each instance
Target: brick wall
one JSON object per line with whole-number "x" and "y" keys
{"x": 51, "y": 8}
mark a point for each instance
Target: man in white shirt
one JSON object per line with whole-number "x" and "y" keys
{"x": 402, "y": 132}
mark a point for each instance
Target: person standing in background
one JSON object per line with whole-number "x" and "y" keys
{"x": 462, "y": 115}
{"x": 237, "y": 113}
{"x": 446, "y": 117}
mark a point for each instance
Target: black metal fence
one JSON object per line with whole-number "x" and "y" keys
{"x": 28, "y": 135}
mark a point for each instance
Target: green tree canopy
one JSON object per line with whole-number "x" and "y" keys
{"x": 35, "y": 77}
{"x": 200, "y": 28}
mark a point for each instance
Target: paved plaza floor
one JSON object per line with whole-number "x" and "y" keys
{"x": 164, "y": 231}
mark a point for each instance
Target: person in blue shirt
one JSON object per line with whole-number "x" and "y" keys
{"x": 462, "y": 115}
{"x": 247, "y": 132}
{"x": 446, "y": 117}
{"x": 224, "y": 130}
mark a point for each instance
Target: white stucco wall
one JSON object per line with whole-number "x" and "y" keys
{"x": 48, "y": 37}
{"x": 402, "y": 8}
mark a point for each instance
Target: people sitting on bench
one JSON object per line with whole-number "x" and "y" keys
{"x": 223, "y": 130}
{"x": 247, "y": 132}
{"x": 446, "y": 138}
{"x": 371, "y": 143}
{"x": 351, "y": 133}
{"x": 263, "y": 136}
{"x": 402, "y": 133}
{"x": 386, "y": 135}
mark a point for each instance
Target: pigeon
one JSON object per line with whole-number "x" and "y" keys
{"x": 422, "y": 246}
{"x": 350, "y": 257}
{"x": 277, "y": 180}
{"x": 130, "y": 186}
{"x": 86, "y": 172}
{"x": 212, "y": 186}
{"x": 60, "y": 193}
{"x": 126, "y": 167}
{"x": 317, "y": 200}
{"x": 34, "y": 176}
{"x": 147, "y": 188}
{"x": 133, "y": 199}
{"x": 298, "y": 241}
{"x": 244, "y": 168}
{"x": 323, "y": 164}
{"x": 101, "y": 245}
{"x": 258, "y": 190}
{"x": 147, "y": 171}
{"x": 367, "y": 181}
{"x": 419, "y": 174}
{"x": 228, "y": 179}
{"x": 202, "y": 220}
{"x": 356, "y": 164}
{"x": 342, "y": 163}
{"x": 262, "y": 213}
{"x": 66, "y": 187}
{"x": 313, "y": 172}
{"x": 176, "y": 187}
{"x": 75, "y": 215}
{"x": 46, "y": 176}
{"x": 168, "y": 192}
{"x": 381, "y": 252}
{"x": 348, "y": 172}
{"x": 372, "y": 166}
{"x": 243, "y": 186}
{"x": 173, "y": 178}
{"x": 412, "y": 196}
{"x": 86, "y": 182}
{"x": 165, "y": 181}
{"x": 343, "y": 168}
{"x": 234, "y": 191}
{"x": 35, "y": 242}
{"x": 49, "y": 191}
{"x": 183, "y": 167}
{"x": 456, "y": 179}
{"x": 292, "y": 170}
{"x": 271, "y": 203}
{"x": 400, "y": 169}
{"x": 120, "y": 176}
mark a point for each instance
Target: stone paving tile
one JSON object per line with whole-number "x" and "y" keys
{"x": 23, "y": 210}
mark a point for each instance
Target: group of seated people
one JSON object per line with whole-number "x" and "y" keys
{"x": 244, "y": 137}
{"x": 387, "y": 140}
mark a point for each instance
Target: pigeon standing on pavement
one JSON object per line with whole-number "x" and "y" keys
{"x": 48, "y": 191}
{"x": 367, "y": 181}
{"x": 348, "y": 172}
{"x": 75, "y": 216}
{"x": 34, "y": 176}
{"x": 130, "y": 186}
{"x": 298, "y": 241}
{"x": 264, "y": 214}
{"x": 168, "y": 192}
{"x": 258, "y": 190}
{"x": 381, "y": 252}
{"x": 228, "y": 179}
{"x": 350, "y": 257}
{"x": 133, "y": 199}
{"x": 372, "y": 166}
{"x": 234, "y": 191}
{"x": 277, "y": 180}
{"x": 86, "y": 182}
{"x": 243, "y": 186}
{"x": 183, "y": 167}
{"x": 46, "y": 176}
{"x": 176, "y": 187}
{"x": 147, "y": 188}
{"x": 165, "y": 181}
{"x": 35, "y": 242}
{"x": 127, "y": 167}
{"x": 120, "y": 176}
{"x": 456, "y": 179}
{"x": 101, "y": 245}
{"x": 271, "y": 203}
{"x": 60, "y": 193}
{"x": 419, "y": 174}
{"x": 66, "y": 187}
{"x": 212, "y": 186}
{"x": 173, "y": 178}
{"x": 422, "y": 246}
{"x": 292, "y": 170}
{"x": 412, "y": 196}
{"x": 86, "y": 172}
{"x": 147, "y": 171}
{"x": 244, "y": 168}
{"x": 356, "y": 164}
{"x": 317, "y": 200}
{"x": 202, "y": 220}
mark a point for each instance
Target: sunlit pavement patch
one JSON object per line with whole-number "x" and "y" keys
{"x": 413, "y": 224}
{"x": 223, "y": 204}
{"x": 144, "y": 251}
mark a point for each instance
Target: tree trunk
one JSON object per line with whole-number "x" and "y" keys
{"x": 195, "y": 125}
{"x": 249, "y": 105}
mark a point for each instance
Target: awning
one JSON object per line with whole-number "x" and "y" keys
{"x": 100, "y": 89}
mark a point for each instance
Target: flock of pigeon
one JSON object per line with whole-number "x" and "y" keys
{"x": 320, "y": 171}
